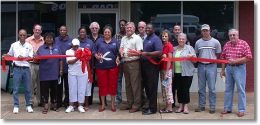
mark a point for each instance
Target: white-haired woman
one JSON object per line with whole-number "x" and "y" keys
{"x": 183, "y": 73}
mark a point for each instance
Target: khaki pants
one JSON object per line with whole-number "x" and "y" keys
{"x": 35, "y": 84}
{"x": 132, "y": 72}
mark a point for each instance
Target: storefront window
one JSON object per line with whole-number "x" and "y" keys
{"x": 51, "y": 15}
{"x": 8, "y": 25}
{"x": 219, "y": 15}
{"x": 163, "y": 15}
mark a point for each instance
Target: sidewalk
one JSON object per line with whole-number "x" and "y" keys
{"x": 92, "y": 113}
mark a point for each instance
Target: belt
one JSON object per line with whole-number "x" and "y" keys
{"x": 23, "y": 67}
{"x": 206, "y": 63}
{"x": 235, "y": 64}
{"x": 131, "y": 61}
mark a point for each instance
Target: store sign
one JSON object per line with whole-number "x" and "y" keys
{"x": 58, "y": 7}
{"x": 98, "y": 5}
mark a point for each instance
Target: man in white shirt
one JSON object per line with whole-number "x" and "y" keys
{"x": 22, "y": 73}
{"x": 131, "y": 67}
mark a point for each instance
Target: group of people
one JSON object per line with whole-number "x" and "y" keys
{"x": 127, "y": 54}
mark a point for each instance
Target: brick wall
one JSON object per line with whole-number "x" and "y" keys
{"x": 246, "y": 31}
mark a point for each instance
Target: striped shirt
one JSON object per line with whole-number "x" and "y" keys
{"x": 208, "y": 49}
{"x": 236, "y": 50}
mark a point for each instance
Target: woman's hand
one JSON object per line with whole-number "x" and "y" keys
{"x": 98, "y": 56}
{"x": 117, "y": 61}
{"x": 164, "y": 56}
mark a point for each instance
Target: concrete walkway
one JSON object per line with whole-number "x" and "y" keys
{"x": 92, "y": 113}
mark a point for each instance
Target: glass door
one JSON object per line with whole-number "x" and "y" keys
{"x": 102, "y": 18}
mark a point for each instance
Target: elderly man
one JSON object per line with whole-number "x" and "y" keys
{"x": 131, "y": 67}
{"x": 22, "y": 73}
{"x": 207, "y": 47}
{"x": 237, "y": 52}
{"x": 94, "y": 36}
{"x": 36, "y": 40}
{"x": 94, "y": 28}
{"x": 141, "y": 29}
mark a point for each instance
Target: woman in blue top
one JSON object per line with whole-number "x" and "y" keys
{"x": 106, "y": 52}
{"x": 50, "y": 70}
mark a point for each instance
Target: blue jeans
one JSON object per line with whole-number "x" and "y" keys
{"x": 119, "y": 84}
{"x": 207, "y": 75}
{"x": 235, "y": 75}
{"x": 22, "y": 76}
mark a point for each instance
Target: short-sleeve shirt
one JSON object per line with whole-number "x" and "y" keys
{"x": 25, "y": 50}
{"x": 236, "y": 50}
{"x": 208, "y": 49}
{"x": 49, "y": 68}
{"x": 64, "y": 44}
{"x": 167, "y": 48}
{"x": 74, "y": 69}
{"x": 35, "y": 43}
{"x": 133, "y": 42}
{"x": 112, "y": 50}
{"x": 86, "y": 43}
{"x": 152, "y": 43}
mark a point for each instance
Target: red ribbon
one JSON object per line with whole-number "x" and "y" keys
{"x": 193, "y": 59}
{"x": 84, "y": 55}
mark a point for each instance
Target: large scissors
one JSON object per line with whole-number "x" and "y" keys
{"x": 104, "y": 57}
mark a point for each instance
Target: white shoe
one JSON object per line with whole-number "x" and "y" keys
{"x": 29, "y": 109}
{"x": 16, "y": 110}
{"x": 81, "y": 109}
{"x": 69, "y": 109}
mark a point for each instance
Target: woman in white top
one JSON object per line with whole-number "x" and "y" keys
{"x": 76, "y": 79}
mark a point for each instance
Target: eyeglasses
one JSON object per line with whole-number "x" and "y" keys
{"x": 140, "y": 27}
{"x": 94, "y": 28}
{"x": 232, "y": 35}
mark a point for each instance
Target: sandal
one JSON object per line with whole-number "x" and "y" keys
{"x": 45, "y": 109}
{"x": 86, "y": 108}
{"x": 165, "y": 111}
{"x": 179, "y": 111}
{"x": 54, "y": 107}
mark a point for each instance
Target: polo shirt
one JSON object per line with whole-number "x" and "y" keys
{"x": 49, "y": 68}
{"x": 64, "y": 44}
{"x": 152, "y": 43}
{"x": 86, "y": 43}
{"x": 102, "y": 47}
{"x": 25, "y": 50}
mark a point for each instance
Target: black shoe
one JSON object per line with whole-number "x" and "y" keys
{"x": 212, "y": 111}
{"x": 200, "y": 109}
{"x": 148, "y": 112}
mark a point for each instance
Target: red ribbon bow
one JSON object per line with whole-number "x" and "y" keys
{"x": 84, "y": 55}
